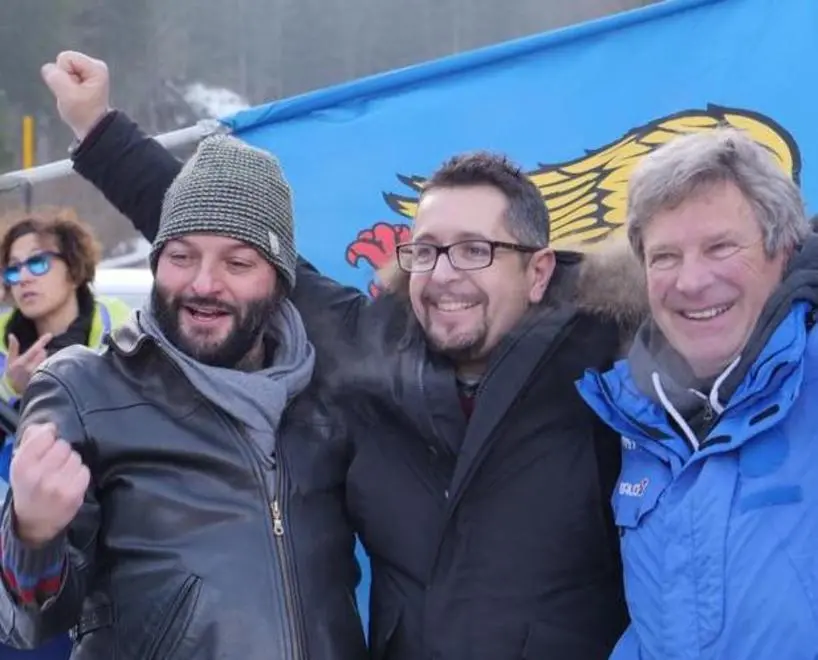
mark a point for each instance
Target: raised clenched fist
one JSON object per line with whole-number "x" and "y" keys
{"x": 81, "y": 86}
{"x": 48, "y": 483}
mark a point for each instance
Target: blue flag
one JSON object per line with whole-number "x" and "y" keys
{"x": 575, "y": 108}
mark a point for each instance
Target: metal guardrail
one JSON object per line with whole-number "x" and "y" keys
{"x": 60, "y": 168}
{"x": 25, "y": 179}
{"x": 135, "y": 258}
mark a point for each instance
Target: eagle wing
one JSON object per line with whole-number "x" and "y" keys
{"x": 587, "y": 197}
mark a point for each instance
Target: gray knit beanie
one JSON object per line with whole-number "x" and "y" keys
{"x": 232, "y": 189}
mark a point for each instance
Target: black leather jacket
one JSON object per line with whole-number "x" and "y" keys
{"x": 180, "y": 551}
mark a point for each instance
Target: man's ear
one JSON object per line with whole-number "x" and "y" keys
{"x": 540, "y": 269}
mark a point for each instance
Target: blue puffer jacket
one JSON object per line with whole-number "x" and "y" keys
{"x": 720, "y": 545}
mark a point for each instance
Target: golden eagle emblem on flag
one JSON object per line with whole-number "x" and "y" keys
{"x": 586, "y": 197}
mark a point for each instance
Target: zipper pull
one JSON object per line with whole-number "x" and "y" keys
{"x": 278, "y": 524}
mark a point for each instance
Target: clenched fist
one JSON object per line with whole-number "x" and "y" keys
{"x": 48, "y": 484}
{"x": 82, "y": 88}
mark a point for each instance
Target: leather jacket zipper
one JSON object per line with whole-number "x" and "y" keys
{"x": 292, "y": 611}
{"x": 287, "y": 572}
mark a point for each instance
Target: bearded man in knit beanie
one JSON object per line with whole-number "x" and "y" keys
{"x": 181, "y": 494}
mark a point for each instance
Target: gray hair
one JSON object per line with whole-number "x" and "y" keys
{"x": 680, "y": 169}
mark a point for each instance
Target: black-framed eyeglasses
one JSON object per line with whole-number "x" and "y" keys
{"x": 37, "y": 264}
{"x": 419, "y": 257}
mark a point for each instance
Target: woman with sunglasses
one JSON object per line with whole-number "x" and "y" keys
{"x": 48, "y": 261}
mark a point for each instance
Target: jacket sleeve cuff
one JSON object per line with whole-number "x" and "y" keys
{"x": 97, "y": 133}
{"x": 33, "y": 575}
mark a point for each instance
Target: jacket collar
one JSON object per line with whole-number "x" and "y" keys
{"x": 762, "y": 399}
{"x": 128, "y": 339}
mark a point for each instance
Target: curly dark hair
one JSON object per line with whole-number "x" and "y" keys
{"x": 74, "y": 239}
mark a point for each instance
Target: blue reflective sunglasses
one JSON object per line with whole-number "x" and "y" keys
{"x": 37, "y": 264}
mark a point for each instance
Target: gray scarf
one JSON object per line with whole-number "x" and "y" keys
{"x": 255, "y": 399}
{"x": 651, "y": 353}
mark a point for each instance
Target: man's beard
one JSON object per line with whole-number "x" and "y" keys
{"x": 249, "y": 323}
{"x": 463, "y": 348}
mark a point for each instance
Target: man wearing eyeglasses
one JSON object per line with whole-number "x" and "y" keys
{"x": 479, "y": 482}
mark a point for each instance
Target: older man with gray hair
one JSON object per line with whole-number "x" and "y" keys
{"x": 717, "y": 501}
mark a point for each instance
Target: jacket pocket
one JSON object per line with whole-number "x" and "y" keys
{"x": 96, "y": 621}
{"x": 545, "y": 640}
{"x": 175, "y": 622}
